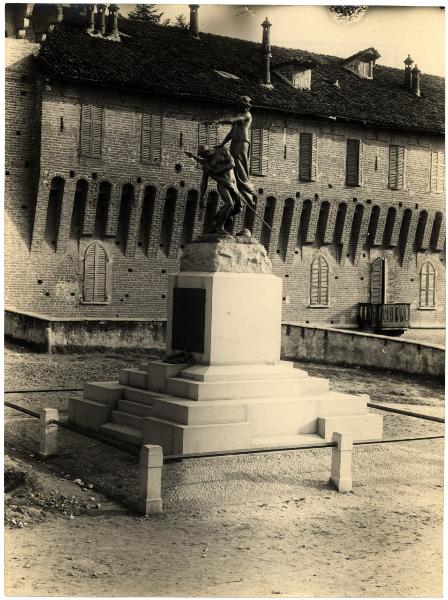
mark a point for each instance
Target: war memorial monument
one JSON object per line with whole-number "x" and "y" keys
{"x": 222, "y": 385}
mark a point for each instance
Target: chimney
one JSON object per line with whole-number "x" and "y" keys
{"x": 408, "y": 73}
{"x": 113, "y": 19}
{"x": 416, "y": 80}
{"x": 194, "y": 21}
{"x": 266, "y": 49}
{"x": 102, "y": 18}
{"x": 91, "y": 17}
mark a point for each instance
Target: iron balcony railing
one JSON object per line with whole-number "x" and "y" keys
{"x": 384, "y": 316}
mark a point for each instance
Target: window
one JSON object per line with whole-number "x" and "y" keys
{"x": 91, "y": 138}
{"x": 319, "y": 282}
{"x": 437, "y": 171}
{"x": 259, "y": 151}
{"x": 302, "y": 79}
{"x": 366, "y": 69}
{"x": 378, "y": 281}
{"x": 427, "y": 285}
{"x": 207, "y": 135}
{"x": 308, "y": 157}
{"x": 151, "y": 148}
{"x": 353, "y": 164}
{"x": 397, "y": 156}
{"x": 96, "y": 274}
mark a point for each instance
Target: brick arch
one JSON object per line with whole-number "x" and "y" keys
{"x": 285, "y": 226}
{"x": 305, "y": 216}
{"x": 373, "y": 225}
{"x": 166, "y": 229}
{"x": 79, "y": 209}
{"x": 189, "y": 217}
{"x": 127, "y": 202}
{"x": 420, "y": 231}
{"x": 341, "y": 216}
{"x": 268, "y": 216}
{"x": 322, "y": 221}
{"x": 435, "y": 233}
{"x": 389, "y": 226}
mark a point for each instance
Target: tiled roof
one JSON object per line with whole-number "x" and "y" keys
{"x": 167, "y": 60}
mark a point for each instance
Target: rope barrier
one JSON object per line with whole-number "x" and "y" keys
{"x": 36, "y": 391}
{"x": 408, "y": 413}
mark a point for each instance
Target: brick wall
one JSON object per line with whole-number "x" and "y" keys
{"x": 50, "y": 281}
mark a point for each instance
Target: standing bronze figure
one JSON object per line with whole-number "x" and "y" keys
{"x": 239, "y": 137}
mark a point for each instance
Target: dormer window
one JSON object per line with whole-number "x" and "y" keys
{"x": 366, "y": 69}
{"x": 362, "y": 63}
{"x": 297, "y": 72}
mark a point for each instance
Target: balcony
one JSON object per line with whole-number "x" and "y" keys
{"x": 384, "y": 317}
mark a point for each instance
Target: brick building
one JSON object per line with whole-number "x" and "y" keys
{"x": 347, "y": 160}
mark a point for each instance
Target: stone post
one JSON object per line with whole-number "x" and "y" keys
{"x": 341, "y": 462}
{"x": 151, "y": 463}
{"x": 48, "y": 432}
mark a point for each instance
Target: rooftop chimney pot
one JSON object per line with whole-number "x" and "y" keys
{"x": 416, "y": 80}
{"x": 408, "y": 72}
{"x": 194, "y": 21}
{"x": 266, "y": 49}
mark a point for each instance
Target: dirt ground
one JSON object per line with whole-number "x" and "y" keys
{"x": 260, "y": 525}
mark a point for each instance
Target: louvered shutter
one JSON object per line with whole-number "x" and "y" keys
{"x": 437, "y": 171}
{"x": 86, "y": 129}
{"x": 151, "y": 142}
{"x": 264, "y": 151}
{"x": 397, "y": 155}
{"x": 315, "y": 283}
{"x": 323, "y": 283}
{"x": 95, "y": 274}
{"x": 401, "y": 167}
{"x": 156, "y": 138}
{"x": 256, "y": 151}
{"x": 146, "y": 138}
{"x": 376, "y": 282}
{"x": 97, "y": 131}
{"x": 100, "y": 274}
{"x": 352, "y": 162}
{"x": 313, "y": 167}
{"x": 89, "y": 274}
{"x": 308, "y": 157}
{"x": 212, "y": 135}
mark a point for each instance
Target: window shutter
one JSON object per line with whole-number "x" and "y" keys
{"x": 401, "y": 166}
{"x": 156, "y": 138}
{"x": 207, "y": 134}
{"x": 89, "y": 274}
{"x": 151, "y": 145}
{"x": 100, "y": 274}
{"x": 308, "y": 157}
{"x": 146, "y": 138}
{"x": 427, "y": 285}
{"x": 95, "y": 274}
{"x": 86, "y": 129}
{"x": 265, "y": 151}
{"x": 397, "y": 155}
{"x": 437, "y": 171}
{"x": 319, "y": 282}
{"x": 352, "y": 162}
{"x": 256, "y": 151}
{"x": 97, "y": 131}
{"x": 376, "y": 282}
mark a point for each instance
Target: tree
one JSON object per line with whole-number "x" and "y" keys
{"x": 148, "y": 13}
{"x": 181, "y": 22}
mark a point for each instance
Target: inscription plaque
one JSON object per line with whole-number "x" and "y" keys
{"x": 188, "y": 323}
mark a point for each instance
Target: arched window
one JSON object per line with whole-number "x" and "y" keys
{"x": 427, "y": 285}
{"x": 319, "y": 282}
{"x": 96, "y": 274}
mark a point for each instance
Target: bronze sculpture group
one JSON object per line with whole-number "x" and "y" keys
{"x": 230, "y": 169}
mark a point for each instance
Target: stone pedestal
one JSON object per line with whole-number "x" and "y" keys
{"x": 231, "y": 391}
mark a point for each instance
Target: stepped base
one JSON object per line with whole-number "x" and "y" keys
{"x": 199, "y": 408}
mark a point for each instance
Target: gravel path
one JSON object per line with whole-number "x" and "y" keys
{"x": 260, "y": 525}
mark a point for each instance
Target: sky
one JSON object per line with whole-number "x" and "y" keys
{"x": 394, "y": 31}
